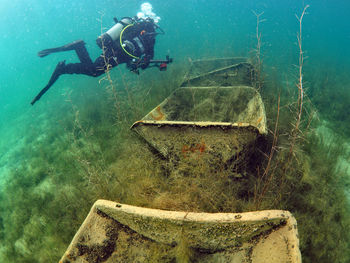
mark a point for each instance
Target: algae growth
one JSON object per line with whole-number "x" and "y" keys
{"x": 89, "y": 153}
{"x": 93, "y": 155}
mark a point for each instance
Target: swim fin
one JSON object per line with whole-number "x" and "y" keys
{"x": 71, "y": 46}
{"x": 59, "y": 70}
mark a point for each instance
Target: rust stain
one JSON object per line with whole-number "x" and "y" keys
{"x": 185, "y": 150}
{"x": 197, "y": 148}
{"x": 259, "y": 120}
{"x": 159, "y": 116}
{"x": 202, "y": 147}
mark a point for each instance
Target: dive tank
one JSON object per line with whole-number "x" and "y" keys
{"x": 107, "y": 39}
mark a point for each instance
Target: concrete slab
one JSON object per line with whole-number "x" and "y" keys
{"x": 218, "y": 124}
{"x": 114, "y": 232}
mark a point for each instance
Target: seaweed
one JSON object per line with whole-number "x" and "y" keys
{"x": 88, "y": 153}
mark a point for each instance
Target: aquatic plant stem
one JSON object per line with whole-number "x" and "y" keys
{"x": 267, "y": 171}
{"x": 107, "y": 68}
{"x": 300, "y": 81}
{"x": 301, "y": 63}
{"x": 258, "y": 61}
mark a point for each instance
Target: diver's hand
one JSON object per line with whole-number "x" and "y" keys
{"x": 144, "y": 62}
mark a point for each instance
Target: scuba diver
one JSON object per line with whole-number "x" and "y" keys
{"x": 130, "y": 41}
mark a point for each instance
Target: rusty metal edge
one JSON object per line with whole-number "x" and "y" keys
{"x": 200, "y": 124}
{"x": 216, "y": 59}
{"x": 214, "y": 71}
{"x": 148, "y": 122}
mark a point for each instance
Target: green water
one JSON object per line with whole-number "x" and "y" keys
{"x": 50, "y": 153}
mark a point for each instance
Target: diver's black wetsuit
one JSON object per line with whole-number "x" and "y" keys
{"x": 137, "y": 51}
{"x": 114, "y": 55}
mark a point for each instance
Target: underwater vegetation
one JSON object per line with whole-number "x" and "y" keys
{"x": 92, "y": 154}
{"x": 313, "y": 186}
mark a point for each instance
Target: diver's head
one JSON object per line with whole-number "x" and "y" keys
{"x": 146, "y": 12}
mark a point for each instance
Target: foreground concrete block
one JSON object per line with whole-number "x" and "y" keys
{"x": 114, "y": 232}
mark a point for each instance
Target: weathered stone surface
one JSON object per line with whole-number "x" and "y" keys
{"x": 114, "y": 232}
{"x": 220, "y": 125}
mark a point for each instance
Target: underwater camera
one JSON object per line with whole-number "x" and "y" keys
{"x": 162, "y": 64}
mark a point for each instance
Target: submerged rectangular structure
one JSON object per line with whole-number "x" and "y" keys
{"x": 218, "y": 124}
{"x": 114, "y": 232}
{"x": 220, "y": 72}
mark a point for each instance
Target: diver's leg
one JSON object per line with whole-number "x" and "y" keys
{"x": 62, "y": 68}
{"x": 83, "y": 54}
{"x": 59, "y": 70}
{"x": 72, "y": 68}
{"x": 91, "y": 69}
{"x": 71, "y": 46}
{"x": 78, "y": 46}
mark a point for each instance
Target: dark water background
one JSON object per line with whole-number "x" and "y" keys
{"x": 194, "y": 29}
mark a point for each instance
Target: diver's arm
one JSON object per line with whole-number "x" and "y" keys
{"x": 149, "y": 53}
